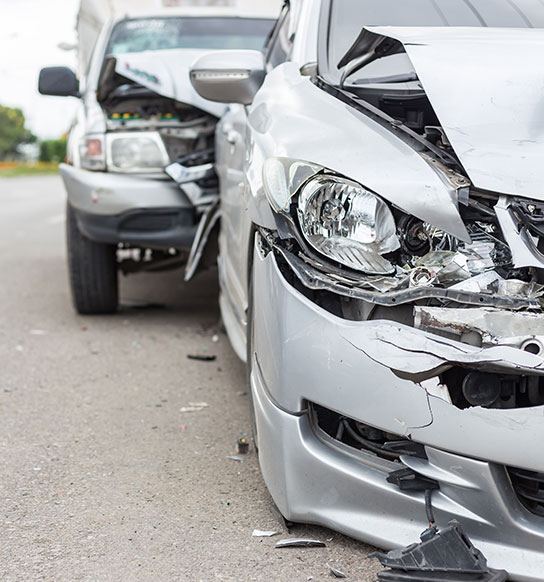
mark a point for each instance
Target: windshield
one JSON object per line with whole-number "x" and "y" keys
{"x": 148, "y": 34}
{"x": 346, "y": 18}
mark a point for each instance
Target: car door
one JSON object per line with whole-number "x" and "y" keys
{"x": 234, "y": 148}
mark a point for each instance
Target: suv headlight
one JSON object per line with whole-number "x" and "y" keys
{"x": 339, "y": 218}
{"x": 136, "y": 152}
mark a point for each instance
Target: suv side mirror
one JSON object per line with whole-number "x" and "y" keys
{"x": 230, "y": 76}
{"x": 58, "y": 81}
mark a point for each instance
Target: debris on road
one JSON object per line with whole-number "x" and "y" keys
{"x": 202, "y": 357}
{"x": 300, "y": 543}
{"x": 215, "y": 338}
{"x": 37, "y": 332}
{"x": 440, "y": 555}
{"x": 235, "y": 458}
{"x": 243, "y": 446}
{"x": 194, "y": 407}
{"x": 335, "y": 571}
{"x": 259, "y": 533}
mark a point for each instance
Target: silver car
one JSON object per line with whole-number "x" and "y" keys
{"x": 381, "y": 266}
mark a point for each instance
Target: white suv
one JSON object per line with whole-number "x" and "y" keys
{"x": 139, "y": 114}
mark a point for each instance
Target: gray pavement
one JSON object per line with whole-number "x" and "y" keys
{"x": 102, "y": 477}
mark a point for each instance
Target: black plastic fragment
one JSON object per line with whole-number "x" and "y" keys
{"x": 408, "y": 480}
{"x": 201, "y": 357}
{"x": 445, "y": 556}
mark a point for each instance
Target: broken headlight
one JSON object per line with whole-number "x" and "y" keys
{"x": 347, "y": 223}
{"x": 136, "y": 152}
{"x": 338, "y": 217}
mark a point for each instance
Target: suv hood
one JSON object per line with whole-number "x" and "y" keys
{"x": 486, "y": 85}
{"x": 165, "y": 72}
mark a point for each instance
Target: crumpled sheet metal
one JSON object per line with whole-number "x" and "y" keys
{"x": 416, "y": 353}
{"x": 495, "y": 326}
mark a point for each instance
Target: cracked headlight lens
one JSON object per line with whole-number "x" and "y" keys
{"x": 347, "y": 223}
{"x": 136, "y": 152}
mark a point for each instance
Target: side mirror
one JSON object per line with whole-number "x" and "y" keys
{"x": 58, "y": 81}
{"x": 230, "y": 76}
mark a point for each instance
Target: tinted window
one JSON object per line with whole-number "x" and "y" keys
{"x": 147, "y": 34}
{"x": 347, "y": 17}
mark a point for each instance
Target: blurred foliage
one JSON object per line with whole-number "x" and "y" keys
{"x": 14, "y": 169}
{"x": 13, "y": 132}
{"x": 53, "y": 150}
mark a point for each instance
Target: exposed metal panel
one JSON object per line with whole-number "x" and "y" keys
{"x": 486, "y": 86}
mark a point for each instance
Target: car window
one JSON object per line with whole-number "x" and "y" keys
{"x": 145, "y": 34}
{"x": 280, "y": 44}
{"x": 348, "y": 17}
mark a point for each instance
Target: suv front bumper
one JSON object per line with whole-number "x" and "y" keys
{"x": 140, "y": 210}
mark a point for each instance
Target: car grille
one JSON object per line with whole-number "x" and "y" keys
{"x": 529, "y": 487}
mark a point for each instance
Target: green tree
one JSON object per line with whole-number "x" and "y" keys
{"x": 13, "y": 132}
{"x": 53, "y": 150}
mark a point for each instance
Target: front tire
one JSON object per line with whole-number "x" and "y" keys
{"x": 92, "y": 270}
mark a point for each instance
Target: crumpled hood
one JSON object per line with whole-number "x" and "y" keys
{"x": 486, "y": 86}
{"x": 165, "y": 72}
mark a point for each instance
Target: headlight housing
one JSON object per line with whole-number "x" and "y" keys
{"x": 92, "y": 153}
{"x": 347, "y": 223}
{"x": 136, "y": 152}
{"x": 338, "y": 217}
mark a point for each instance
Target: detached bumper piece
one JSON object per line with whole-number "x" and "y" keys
{"x": 446, "y": 556}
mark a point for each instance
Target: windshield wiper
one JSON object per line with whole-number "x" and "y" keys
{"x": 400, "y": 78}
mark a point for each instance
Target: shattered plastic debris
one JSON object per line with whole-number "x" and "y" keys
{"x": 260, "y": 533}
{"x": 194, "y": 407}
{"x": 449, "y": 267}
{"x": 516, "y": 288}
{"x": 243, "y": 446}
{"x": 235, "y": 458}
{"x": 445, "y": 555}
{"x": 215, "y": 338}
{"x": 37, "y": 332}
{"x": 202, "y": 357}
{"x": 300, "y": 543}
{"x": 335, "y": 572}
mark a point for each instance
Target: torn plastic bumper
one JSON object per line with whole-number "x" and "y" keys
{"x": 314, "y": 478}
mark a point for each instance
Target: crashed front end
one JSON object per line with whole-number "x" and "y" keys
{"x": 409, "y": 341}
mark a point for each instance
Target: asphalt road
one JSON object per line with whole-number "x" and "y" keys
{"x": 102, "y": 476}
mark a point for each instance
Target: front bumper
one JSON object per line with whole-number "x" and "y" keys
{"x": 324, "y": 359}
{"x": 137, "y": 210}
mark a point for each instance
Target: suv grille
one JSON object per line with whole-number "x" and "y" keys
{"x": 529, "y": 487}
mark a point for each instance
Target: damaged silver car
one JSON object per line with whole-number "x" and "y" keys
{"x": 382, "y": 270}
{"x": 139, "y": 114}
